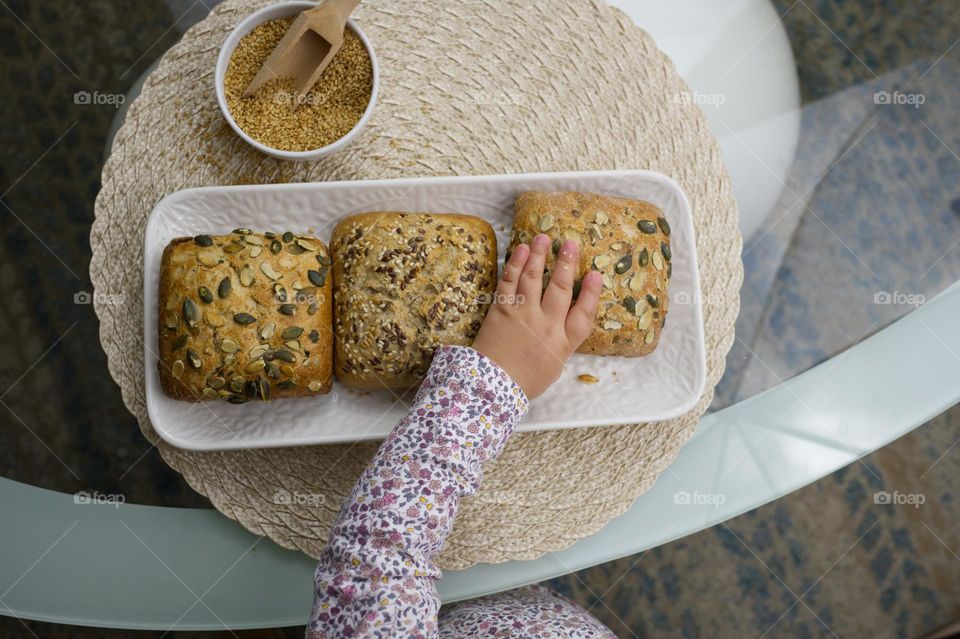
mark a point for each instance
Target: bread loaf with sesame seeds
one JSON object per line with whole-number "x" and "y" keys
{"x": 404, "y": 284}
{"x": 628, "y": 241}
{"x": 245, "y": 316}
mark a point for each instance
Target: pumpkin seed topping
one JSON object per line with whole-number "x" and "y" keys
{"x": 643, "y": 258}
{"x": 316, "y": 278}
{"x": 191, "y": 312}
{"x": 291, "y": 332}
{"x": 286, "y": 356}
{"x": 647, "y": 226}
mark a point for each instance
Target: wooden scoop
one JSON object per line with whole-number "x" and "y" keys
{"x": 307, "y": 48}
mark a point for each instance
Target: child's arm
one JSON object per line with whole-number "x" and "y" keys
{"x": 376, "y": 576}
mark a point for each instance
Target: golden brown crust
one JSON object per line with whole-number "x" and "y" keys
{"x": 242, "y": 343}
{"x": 636, "y": 268}
{"x": 406, "y": 283}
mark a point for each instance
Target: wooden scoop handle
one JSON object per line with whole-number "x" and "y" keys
{"x": 330, "y": 8}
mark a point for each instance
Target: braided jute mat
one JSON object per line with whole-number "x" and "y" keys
{"x": 467, "y": 88}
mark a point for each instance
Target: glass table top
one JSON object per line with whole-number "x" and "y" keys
{"x": 863, "y": 224}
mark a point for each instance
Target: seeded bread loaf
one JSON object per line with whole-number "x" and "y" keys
{"x": 628, "y": 241}
{"x": 404, "y": 284}
{"x": 245, "y": 316}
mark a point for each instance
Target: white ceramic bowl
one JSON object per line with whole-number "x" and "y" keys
{"x": 272, "y": 12}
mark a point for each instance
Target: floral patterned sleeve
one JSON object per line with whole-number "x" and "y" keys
{"x": 376, "y": 577}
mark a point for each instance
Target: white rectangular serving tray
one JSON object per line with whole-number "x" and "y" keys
{"x": 662, "y": 385}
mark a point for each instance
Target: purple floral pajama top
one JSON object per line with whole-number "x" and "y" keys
{"x": 376, "y": 577}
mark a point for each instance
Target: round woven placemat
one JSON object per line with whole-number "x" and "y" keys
{"x": 503, "y": 86}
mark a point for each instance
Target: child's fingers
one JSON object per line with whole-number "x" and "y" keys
{"x": 531, "y": 280}
{"x": 507, "y": 286}
{"x": 580, "y": 318}
{"x": 556, "y": 299}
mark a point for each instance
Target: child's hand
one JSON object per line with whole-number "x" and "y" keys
{"x": 529, "y": 337}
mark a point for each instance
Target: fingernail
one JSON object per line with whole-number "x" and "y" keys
{"x": 593, "y": 276}
{"x": 541, "y": 241}
{"x": 569, "y": 249}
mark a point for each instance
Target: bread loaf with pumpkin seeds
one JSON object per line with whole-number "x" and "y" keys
{"x": 404, "y": 284}
{"x": 628, "y": 241}
{"x": 245, "y": 316}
